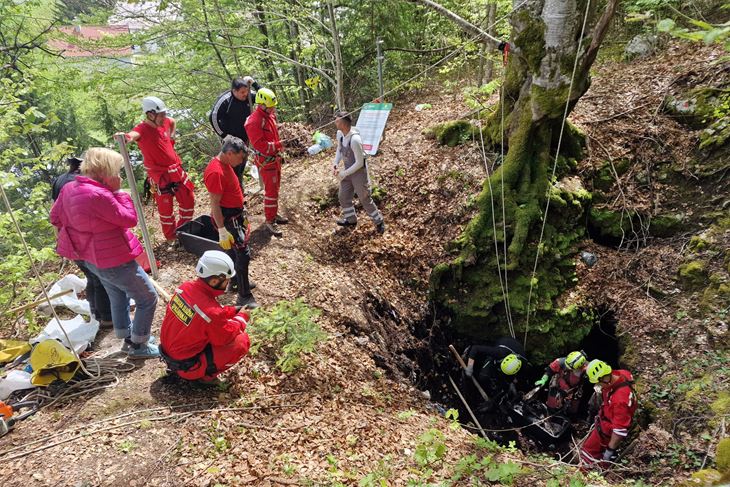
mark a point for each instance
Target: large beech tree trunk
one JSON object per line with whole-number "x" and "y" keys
{"x": 548, "y": 40}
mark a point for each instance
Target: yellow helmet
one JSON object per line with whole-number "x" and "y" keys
{"x": 511, "y": 364}
{"x": 576, "y": 360}
{"x": 50, "y": 360}
{"x": 597, "y": 369}
{"x": 266, "y": 97}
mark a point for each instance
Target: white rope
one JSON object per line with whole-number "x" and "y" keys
{"x": 494, "y": 224}
{"x": 504, "y": 216}
{"x": 40, "y": 281}
{"x": 555, "y": 165}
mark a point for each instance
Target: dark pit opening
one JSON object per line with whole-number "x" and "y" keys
{"x": 436, "y": 364}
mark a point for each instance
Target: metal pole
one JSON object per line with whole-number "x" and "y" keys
{"x": 380, "y": 58}
{"x": 137, "y": 203}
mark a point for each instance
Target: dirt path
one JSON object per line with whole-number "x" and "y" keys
{"x": 334, "y": 420}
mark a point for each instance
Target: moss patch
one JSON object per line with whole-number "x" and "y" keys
{"x": 666, "y": 225}
{"x": 721, "y": 405}
{"x": 693, "y": 274}
{"x": 722, "y": 457}
{"x": 451, "y": 133}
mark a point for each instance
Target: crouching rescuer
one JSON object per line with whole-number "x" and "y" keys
{"x": 200, "y": 338}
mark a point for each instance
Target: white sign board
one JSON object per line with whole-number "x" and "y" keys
{"x": 371, "y": 124}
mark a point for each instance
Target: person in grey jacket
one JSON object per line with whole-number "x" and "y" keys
{"x": 353, "y": 176}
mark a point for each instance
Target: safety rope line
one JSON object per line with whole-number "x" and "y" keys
{"x": 422, "y": 73}
{"x": 42, "y": 284}
{"x": 555, "y": 165}
{"x": 494, "y": 224}
{"x": 504, "y": 215}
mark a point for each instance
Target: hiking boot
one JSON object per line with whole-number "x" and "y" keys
{"x": 128, "y": 344}
{"x": 247, "y": 301}
{"x": 345, "y": 223}
{"x": 380, "y": 228}
{"x": 281, "y": 220}
{"x": 274, "y": 229}
{"x": 143, "y": 350}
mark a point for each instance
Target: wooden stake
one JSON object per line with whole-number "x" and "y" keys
{"x": 161, "y": 291}
{"x": 38, "y": 302}
{"x": 466, "y": 405}
{"x": 473, "y": 379}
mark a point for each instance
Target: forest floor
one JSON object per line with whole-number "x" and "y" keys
{"x": 351, "y": 413}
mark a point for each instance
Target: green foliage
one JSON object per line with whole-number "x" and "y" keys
{"x": 431, "y": 448}
{"x": 290, "y": 329}
{"x": 700, "y": 31}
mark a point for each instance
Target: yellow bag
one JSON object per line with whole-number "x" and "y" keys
{"x": 50, "y": 361}
{"x": 12, "y": 349}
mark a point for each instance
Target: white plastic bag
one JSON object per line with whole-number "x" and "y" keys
{"x": 71, "y": 301}
{"x": 81, "y": 332}
{"x": 16, "y": 380}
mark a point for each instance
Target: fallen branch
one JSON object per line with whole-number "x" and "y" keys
{"x": 38, "y": 302}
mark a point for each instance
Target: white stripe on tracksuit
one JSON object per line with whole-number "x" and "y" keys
{"x": 214, "y": 114}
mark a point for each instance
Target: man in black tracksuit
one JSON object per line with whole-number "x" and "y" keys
{"x": 230, "y": 111}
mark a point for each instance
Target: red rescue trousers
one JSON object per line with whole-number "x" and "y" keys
{"x": 271, "y": 175}
{"x": 593, "y": 448}
{"x": 224, "y": 356}
{"x": 186, "y": 206}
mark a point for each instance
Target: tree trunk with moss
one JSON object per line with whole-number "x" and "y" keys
{"x": 548, "y": 43}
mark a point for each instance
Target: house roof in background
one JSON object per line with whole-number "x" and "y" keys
{"x": 89, "y": 33}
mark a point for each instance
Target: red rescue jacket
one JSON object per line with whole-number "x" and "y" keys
{"x": 567, "y": 380}
{"x": 194, "y": 318}
{"x": 263, "y": 135}
{"x": 619, "y": 405}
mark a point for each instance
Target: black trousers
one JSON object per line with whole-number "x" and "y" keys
{"x": 96, "y": 294}
{"x": 236, "y": 223}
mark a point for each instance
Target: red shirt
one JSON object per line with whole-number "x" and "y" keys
{"x": 157, "y": 149}
{"x": 221, "y": 179}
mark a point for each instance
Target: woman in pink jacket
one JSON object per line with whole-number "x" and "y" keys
{"x": 93, "y": 219}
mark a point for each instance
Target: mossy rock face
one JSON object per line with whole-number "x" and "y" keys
{"x": 469, "y": 288}
{"x": 666, "y": 225}
{"x": 451, "y": 133}
{"x": 693, "y": 274}
{"x": 722, "y": 457}
{"x": 697, "y": 243}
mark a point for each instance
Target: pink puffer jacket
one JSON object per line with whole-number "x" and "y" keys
{"x": 93, "y": 224}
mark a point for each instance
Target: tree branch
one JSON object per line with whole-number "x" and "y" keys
{"x": 599, "y": 32}
{"x": 464, "y": 24}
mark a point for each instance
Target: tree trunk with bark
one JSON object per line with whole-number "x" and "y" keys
{"x": 339, "y": 75}
{"x": 477, "y": 288}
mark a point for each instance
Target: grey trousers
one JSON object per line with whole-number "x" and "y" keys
{"x": 358, "y": 183}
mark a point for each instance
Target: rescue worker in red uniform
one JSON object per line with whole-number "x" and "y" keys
{"x": 263, "y": 136}
{"x": 618, "y": 405}
{"x": 200, "y": 338}
{"x": 155, "y": 138}
{"x": 228, "y": 212}
{"x": 564, "y": 375}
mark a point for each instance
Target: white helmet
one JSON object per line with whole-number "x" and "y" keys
{"x": 153, "y": 104}
{"x": 215, "y": 263}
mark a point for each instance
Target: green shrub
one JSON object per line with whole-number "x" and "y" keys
{"x": 290, "y": 329}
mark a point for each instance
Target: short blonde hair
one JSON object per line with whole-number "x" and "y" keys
{"x": 101, "y": 163}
